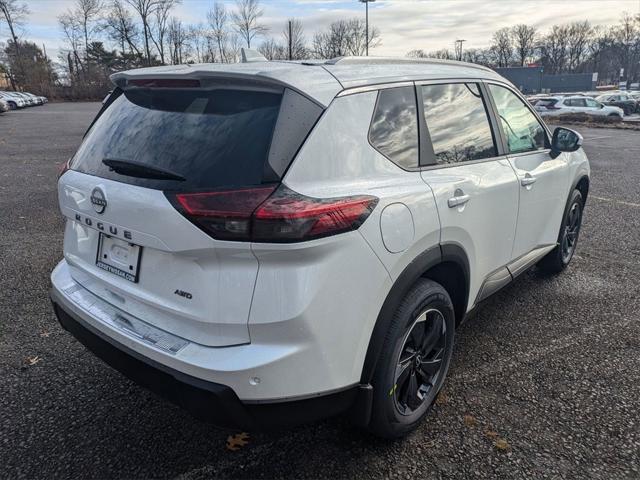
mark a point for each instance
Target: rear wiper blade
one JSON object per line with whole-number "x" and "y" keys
{"x": 131, "y": 168}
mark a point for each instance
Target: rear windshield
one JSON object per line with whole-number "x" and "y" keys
{"x": 211, "y": 138}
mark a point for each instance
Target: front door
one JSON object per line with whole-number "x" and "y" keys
{"x": 542, "y": 176}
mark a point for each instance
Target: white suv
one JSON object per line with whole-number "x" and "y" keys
{"x": 548, "y": 106}
{"x": 269, "y": 243}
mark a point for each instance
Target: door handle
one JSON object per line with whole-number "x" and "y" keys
{"x": 528, "y": 180}
{"x": 458, "y": 200}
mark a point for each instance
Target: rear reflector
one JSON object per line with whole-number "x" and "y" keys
{"x": 164, "y": 83}
{"x": 267, "y": 214}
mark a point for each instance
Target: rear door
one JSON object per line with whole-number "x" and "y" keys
{"x": 128, "y": 241}
{"x": 542, "y": 177}
{"x": 578, "y": 105}
{"x": 475, "y": 188}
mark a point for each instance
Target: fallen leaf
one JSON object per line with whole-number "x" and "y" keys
{"x": 491, "y": 434}
{"x": 45, "y": 334}
{"x": 502, "y": 445}
{"x": 33, "y": 360}
{"x": 470, "y": 421}
{"x": 237, "y": 441}
{"x": 442, "y": 399}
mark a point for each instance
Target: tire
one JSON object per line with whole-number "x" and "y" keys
{"x": 12, "y": 106}
{"x": 559, "y": 258}
{"x": 425, "y": 316}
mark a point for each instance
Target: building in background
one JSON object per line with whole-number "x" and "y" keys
{"x": 532, "y": 79}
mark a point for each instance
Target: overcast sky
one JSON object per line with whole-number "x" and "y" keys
{"x": 404, "y": 24}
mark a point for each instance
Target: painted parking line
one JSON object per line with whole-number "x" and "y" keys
{"x": 620, "y": 202}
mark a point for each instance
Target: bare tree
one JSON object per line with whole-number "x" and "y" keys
{"x": 443, "y": 54}
{"x": 218, "y": 19}
{"x": 197, "y": 37}
{"x": 121, "y": 28}
{"x": 502, "y": 45}
{"x": 272, "y": 50}
{"x": 13, "y": 14}
{"x": 145, "y": 9}
{"x": 160, "y": 24}
{"x": 417, "y": 53}
{"x": 357, "y": 37}
{"x": 554, "y": 49}
{"x": 524, "y": 39}
{"x": 579, "y": 35}
{"x": 177, "y": 37}
{"x": 344, "y": 37}
{"x": 246, "y": 20}
{"x": 88, "y": 12}
{"x": 72, "y": 31}
{"x": 293, "y": 34}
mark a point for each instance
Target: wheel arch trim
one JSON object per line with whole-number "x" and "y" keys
{"x": 448, "y": 252}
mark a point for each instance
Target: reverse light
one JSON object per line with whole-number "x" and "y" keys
{"x": 272, "y": 214}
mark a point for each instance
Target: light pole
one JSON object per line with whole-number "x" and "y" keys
{"x": 459, "y": 48}
{"x": 366, "y": 5}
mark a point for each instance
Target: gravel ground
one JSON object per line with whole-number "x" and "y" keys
{"x": 545, "y": 381}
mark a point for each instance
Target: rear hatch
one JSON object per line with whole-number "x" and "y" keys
{"x": 128, "y": 240}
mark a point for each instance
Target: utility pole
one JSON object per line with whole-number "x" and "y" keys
{"x": 458, "y": 48}
{"x": 366, "y": 4}
{"x": 290, "y": 43}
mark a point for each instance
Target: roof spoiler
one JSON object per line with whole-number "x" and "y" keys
{"x": 249, "y": 55}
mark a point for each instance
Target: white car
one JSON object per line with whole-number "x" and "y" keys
{"x": 14, "y": 101}
{"x": 4, "y": 106}
{"x": 278, "y": 242}
{"x": 558, "y": 105}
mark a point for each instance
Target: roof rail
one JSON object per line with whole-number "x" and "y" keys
{"x": 400, "y": 61}
{"x": 249, "y": 55}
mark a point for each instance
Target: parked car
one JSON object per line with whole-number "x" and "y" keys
{"x": 14, "y": 101}
{"x": 622, "y": 100}
{"x": 36, "y": 100}
{"x": 547, "y": 106}
{"x": 274, "y": 243}
{"x": 4, "y": 106}
{"x": 636, "y": 97}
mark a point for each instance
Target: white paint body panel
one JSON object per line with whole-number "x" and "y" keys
{"x": 541, "y": 203}
{"x": 175, "y": 255}
{"x": 485, "y": 226}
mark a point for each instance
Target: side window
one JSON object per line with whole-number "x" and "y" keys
{"x": 579, "y": 102}
{"x": 394, "y": 127}
{"x": 457, "y": 122}
{"x": 523, "y": 131}
{"x": 592, "y": 103}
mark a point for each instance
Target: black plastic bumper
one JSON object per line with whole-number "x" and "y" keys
{"x": 206, "y": 401}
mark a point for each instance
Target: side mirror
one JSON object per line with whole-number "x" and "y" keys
{"x": 566, "y": 140}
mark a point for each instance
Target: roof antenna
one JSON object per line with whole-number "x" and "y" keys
{"x": 250, "y": 56}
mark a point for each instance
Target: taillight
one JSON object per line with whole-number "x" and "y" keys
{"x": 63, "y": 167}
{"x": 270, "y": 214}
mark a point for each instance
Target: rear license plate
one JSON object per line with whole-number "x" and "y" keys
{"x": 118, "y": 257}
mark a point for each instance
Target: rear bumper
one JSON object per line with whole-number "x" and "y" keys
{"x": 206, "y": 401}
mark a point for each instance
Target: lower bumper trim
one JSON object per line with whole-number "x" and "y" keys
{"x": 207, "y": 401}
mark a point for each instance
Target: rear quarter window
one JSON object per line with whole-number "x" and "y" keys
{"x": 394, "y": 126}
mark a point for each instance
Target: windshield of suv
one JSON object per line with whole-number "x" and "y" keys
{"x": 210, "y": 138}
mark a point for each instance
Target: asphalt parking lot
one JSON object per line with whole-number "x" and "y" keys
{"x": 545, "y": 381}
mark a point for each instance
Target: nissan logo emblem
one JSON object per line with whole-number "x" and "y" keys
{"x": 98, "y": 200}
